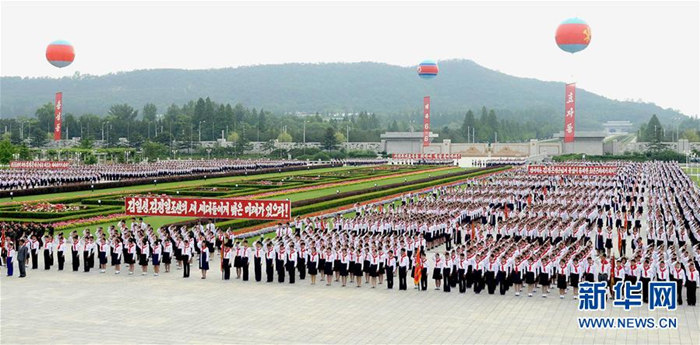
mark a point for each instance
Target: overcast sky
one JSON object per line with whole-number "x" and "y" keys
{"x": 639, "y": 50}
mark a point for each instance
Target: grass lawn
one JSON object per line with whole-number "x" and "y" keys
{"x": 361, "y": 185}
{"x": 150, "y": 187}
{"x": 157, "y": 221}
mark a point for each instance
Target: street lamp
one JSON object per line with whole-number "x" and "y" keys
{"x": 208, "y": 154}
{"x": 200, "y": 131}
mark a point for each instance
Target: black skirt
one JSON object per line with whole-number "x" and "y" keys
{"x": 365, "y": 266}
{"x": 237, "y": 262}
{"x": 608, "y": 243}
{"x": 573, "y": 278}
{"x": 373, "y": 270}
{"x": 343, "y": 270}
{"x": 312, "y": 268}
{"x": 166, "y": 258}
{"x": 437, "y": 274}
{"x": 143, "y": 260}
{"x": 328, "y": 268}
{"x": 544, "y": 279}
{"x": 516, "y": 278}
{"x": 336, "y": 266}
{"x": 561, "y": 281}
{"x": 530, "y": 277}
{"x": 358, "y": 269}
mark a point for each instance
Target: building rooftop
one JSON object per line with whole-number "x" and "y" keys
{"x": 405, "y": 135}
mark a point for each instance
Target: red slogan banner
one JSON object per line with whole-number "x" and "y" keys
{"x": 426, "y": 121}
{"x": 209, "y": 208}
{"x": 601, "y": 170}
{"x": 570, "y": 113}
{"x": 426, "y": 155}
{"x": 39, "y": 165}
{"x": 58, "y": 110}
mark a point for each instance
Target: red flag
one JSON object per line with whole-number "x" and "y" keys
{"x": 58, "y": 109}
{"x": 418, "y": 269}
{"x": 624, "y": 222}
{"x": 473, "y": 233}
{"x": 529, "y": 200}
{"x": 426, "y": 121}
{"x": 569, "y": 113}
{"x": 619, "y": 241}
{"x": 612, "y": 274}
{"x": 505, "y": 210}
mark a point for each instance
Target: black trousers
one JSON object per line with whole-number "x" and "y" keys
{"x": 462, "y": 280}
{"x": 389, "y": 278}
{"x": 269, "y": 270}
{"x": 469, "y": 277}
{"x": 244, "y": 263}
{"x": 502, "y": 282}
{"x": 257, "y": 268}
{"x": 446, "y": 279}
{"x": 48, "y": 259}
{"x": 402, "y": 278}
{"x": 448, "y": 242}
{"x": 86, "y": 262}
{"x": 679, "y": 290}
{"x": 185, "y": 266}
{"x": 226, "y": 264}
{"x": 61, "y": 261}
{"x": 76, "y": 260}
{"x": 424, "y": 279}
{"x": 279, "y": 265}
{"x": 645, "y": 289}
{"x": 290, "y": 269}
{"x": 690, "y": 287}
{"x": 301, "y": 266}
{"x": 35, "y": 259}
{"x": 490, "y": 278}
{"x": 478, "y": 282}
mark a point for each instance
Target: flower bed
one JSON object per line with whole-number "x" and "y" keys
{"x": 49, "y": 208}
{"x": 88, "y": 221}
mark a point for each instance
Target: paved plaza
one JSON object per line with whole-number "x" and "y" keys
{"x": 93, "y": 308}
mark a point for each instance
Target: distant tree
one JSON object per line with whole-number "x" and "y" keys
{"x": 153, "y": 150}
{"x": 123, "y": 112}
{"x": 394, "y": 127}
{"x": 329, "y": 139}
{"x": 38, "y": 138}
{"x": 45, "y": 116}
{"x": 233, "y": 137}
{"x": 85, "y": 143}
{"x": 149, "y": 112}
{"x": 284, "y": 137}
{"x": 340, "y": 137}
{"x": 468, "y": 123}
{"x": 6, "y": 151}
{"x": 654, "y": 130}
{"x": 691, "y": 135}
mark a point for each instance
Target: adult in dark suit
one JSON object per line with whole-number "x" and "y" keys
{"x": 22, "y": 256}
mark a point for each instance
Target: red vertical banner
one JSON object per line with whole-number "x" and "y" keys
{"x": 57, "y": 116}
{"x": 426, "y": 121}
{"x": 570, "y": 113}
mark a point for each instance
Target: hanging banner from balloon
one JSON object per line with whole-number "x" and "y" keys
{"x": 570, "y": 113}
{"x": 57, "y": 116}
{"x": 426, "y": 121}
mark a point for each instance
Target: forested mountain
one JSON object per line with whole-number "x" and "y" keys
{"x": 392, "y": 92}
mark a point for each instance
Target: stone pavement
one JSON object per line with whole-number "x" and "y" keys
{"x": 93, "y": 308}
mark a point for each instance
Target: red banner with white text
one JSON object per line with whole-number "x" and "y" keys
{"x": 209, "y": 208}
{"x": 57, "y": 116}
{"x": 39, "y": 165}
{"x": 570, "y": 113}
{"x": 426, "y": 155}
{"x": 426, "y": 121}
{"x": 599, "y": 170}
